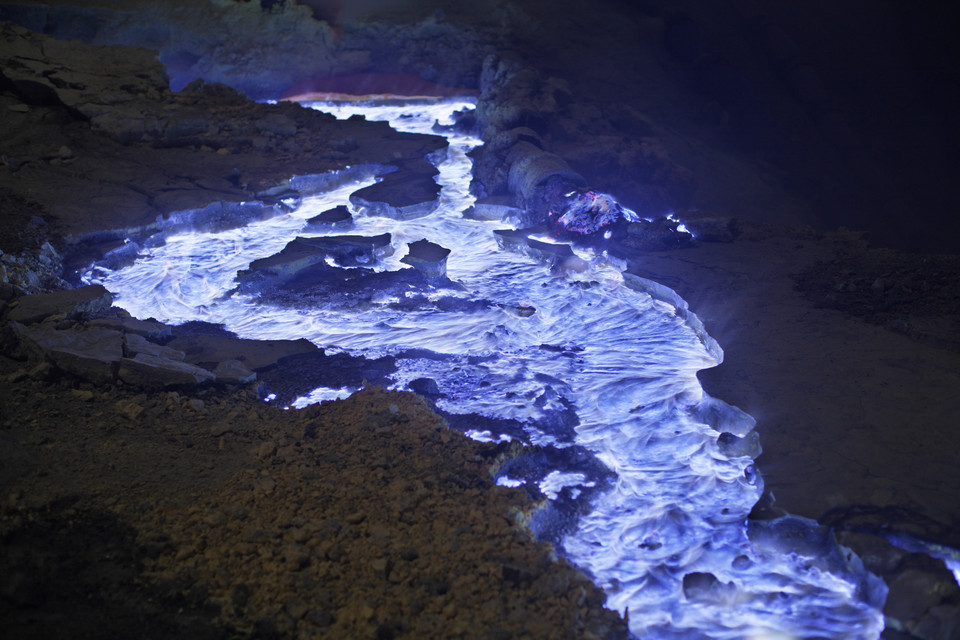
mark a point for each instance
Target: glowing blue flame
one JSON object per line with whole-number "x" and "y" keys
{"x": 667, "y": 538}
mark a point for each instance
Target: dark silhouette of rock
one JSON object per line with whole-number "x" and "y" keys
{"x": 157, "y": 372}
{"x": 92, "y": 355}
{"x": 336, "y": 218}
{"x": 302, "y": 255}
{"x": 428, "y": 258}
{"x": 408, "y": 193}
{"x": 69, "y": 303}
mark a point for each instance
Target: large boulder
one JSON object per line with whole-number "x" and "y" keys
{"x": 135, "y": 345}
{"x": 209, "y": 351}
{"x": 303, "y": 254}
{"x": 428, "y": 258}
{"x": 157, "y": 372}
{"x": 405, "y": 194}
{"x": 93, "y": 354}
{"x": 70, "y": 303}
{"x": 336, "y": 218}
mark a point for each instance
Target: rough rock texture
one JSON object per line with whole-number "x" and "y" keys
{"x": 428, "y": 258}
{"x": 184, "y": 31}
{"x": 135, "y": 157}
{"x": 408, "y": 193}
{"x": 519, "y": 109}
{"x": 757, "y": 112}
{"x": 70, "y": 303}
{"x": 213, "y": 515}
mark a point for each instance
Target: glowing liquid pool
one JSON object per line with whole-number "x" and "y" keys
{"x": 598, "y": 366}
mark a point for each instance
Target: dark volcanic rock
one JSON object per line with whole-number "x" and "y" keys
{"x": 303, "y": 254}
{"x": 352, "y": 251}
{"x": 152, "y": 330}
{"x": 493, "y": 208}
{"x": 655, "y": 235}
{"x": 711, "y": 228}
{"x": 298, "y": 374}
{"x": 336, "y": 218}
{"x": 425, "y": 387}
{"x": 408, "y": 193}
{"x": 69, "y": 303}
{"x": 100, "y": 143}
{"x": 558, "y": 255}
{"x": 155, "y": 372}
{"x": 428, "y": 258}
{"x": 134, "y": 344}
{"x": 92, "y": 355}
{"x": 209, "y": 350}
{"x": 336, "y": 287}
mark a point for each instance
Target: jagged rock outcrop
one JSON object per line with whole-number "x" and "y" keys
{"x": 136, "y": 159}
{"x": 407, "y": 193}
{"x": 337, "y": 218}
{"x": 68, "y": 304}
{"x": 540, "y": 145}
{"x": 77, "y": 333}
{"x": 428, "y": 258}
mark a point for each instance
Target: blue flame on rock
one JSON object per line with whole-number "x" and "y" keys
{"x": 596, "y": 367}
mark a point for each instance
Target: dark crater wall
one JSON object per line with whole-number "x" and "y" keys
{"x": 811, "y": 112}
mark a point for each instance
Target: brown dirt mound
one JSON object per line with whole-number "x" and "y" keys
{"x": 220, "y": 516}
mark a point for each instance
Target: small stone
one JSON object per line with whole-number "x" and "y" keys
{"x": 733, "y": 447}
{"x": 184, "y": 552}
{"x": 216, "y": 519}
{"x": 266, "y": 450}
{"x": 425, "y": 387}
{"x": 218, "y": 429}
{"x": 356, "y": 517}
{"x": 264, "y": 485}
{"x": 296, "y": 609}
{"x": 912, "y": 593}
{"x": 319, "y": 618}
{"x": 43, "y": 371}
{"x": 82, "y": 394}
{"x": 428, "y": 258}
{"x": 158, "y": 372}
{"x": 196, "y": 404}
{"x": 128, "y": 409}
{"x": 65, "y": 152}
{"x": 234, "y": 372}
{"x": 223, "y": 151}
{"x": 235, "y": 511}
{"x": 296, "y": 556}
{"x": 299, "y": 535}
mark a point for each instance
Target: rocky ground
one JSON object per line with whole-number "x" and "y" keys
{"x": 199, "y": 510}
{"x": 155, "y": 504}
{"x": 210, "y": 514}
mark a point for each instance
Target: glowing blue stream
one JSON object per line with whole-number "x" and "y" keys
{"x": 678, "y": 505}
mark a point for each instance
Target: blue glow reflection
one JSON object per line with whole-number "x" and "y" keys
{"x": 594, "y": 368}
